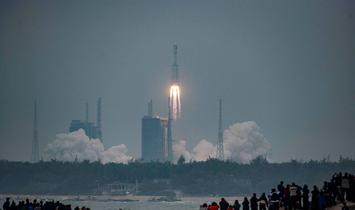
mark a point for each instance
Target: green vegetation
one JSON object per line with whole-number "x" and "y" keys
{"x": 211, "y": 177}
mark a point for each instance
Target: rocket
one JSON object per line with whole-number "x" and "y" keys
{"x": 175, "y": 67}
{"x": 174, "y": 102}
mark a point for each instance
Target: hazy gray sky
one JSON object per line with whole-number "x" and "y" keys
{"x": 287, "y": 65}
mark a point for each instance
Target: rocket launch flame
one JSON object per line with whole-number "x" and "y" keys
{"x": 174, "y": 103}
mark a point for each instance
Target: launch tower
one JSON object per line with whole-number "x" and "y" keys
{"x": 35, "y": 145}
{"x": 220, "y": 149}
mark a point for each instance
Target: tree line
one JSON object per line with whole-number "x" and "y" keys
{"x": 211, "y": 177}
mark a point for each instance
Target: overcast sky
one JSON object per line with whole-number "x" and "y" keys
{"x": 287, "y": 65}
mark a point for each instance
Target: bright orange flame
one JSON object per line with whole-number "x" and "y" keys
{"x": 175, "y": 105}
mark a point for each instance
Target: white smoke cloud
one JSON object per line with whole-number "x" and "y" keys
{"x": 116, "y": 154}
{"x": 204, "y": 150}
{"x": 179, "y": 149}
{"x": 201, "y": 152}
{"x": 78, "y": 146}
{"x": 243, "y": 142}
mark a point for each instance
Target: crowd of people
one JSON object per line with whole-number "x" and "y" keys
{"x": 35, "y": 205}
{"x": 339, "y": 189}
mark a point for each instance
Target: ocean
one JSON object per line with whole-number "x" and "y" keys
{"x": 124, "y": 202}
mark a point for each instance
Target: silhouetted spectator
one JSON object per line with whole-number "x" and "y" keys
{"x": 263, "y": 204}
{"x": 299, "y": 197}
{"x": 254, "y": 202}
{"x": 293, "y": 196}
{"x": 223, "y": 204}
{"x": 338, "y": 182}
{"x": 305, "y": 197}
{"x": 274, "y": 200}
{"x": 245, "y": 204}
{"x": 13, "y": 205}
{"x": 27, "y": 203}
{"x": 281, "y": 190}
{"x": 315, "y": 197}
{"x": 329, "y": 194}
{"x": 236, "y": 205}
{"x": 345, "y": 186}
{"x": 213, "y": 206}
{"x": 321, "y": 201}
{"x": 352, "y": 188}
{"x": 333, "y": 191}
{"x": 287, "y": 200}
{"x": 6, "y": 205}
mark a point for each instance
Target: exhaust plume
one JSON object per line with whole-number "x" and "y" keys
{"x": 77, "y": 146}
{"x": 179, "y": 149}
{"x": 243, "y": 142}
{"x": 201, "y": 152}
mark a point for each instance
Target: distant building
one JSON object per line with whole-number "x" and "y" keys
{"x": 91, "y": 130}
{"x": 154, "y": 137}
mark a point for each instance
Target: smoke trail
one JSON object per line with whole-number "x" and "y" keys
{"x": 77, "y": 146}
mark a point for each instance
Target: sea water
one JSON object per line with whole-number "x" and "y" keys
{"x": 124, "y": 203}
